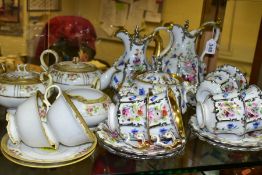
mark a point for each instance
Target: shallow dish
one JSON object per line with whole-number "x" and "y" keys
{"x": 28, "y": 154}
{"x": 251, "y": 141}
{"x": 115, "y": 144}
{"x": 45, "y": 165}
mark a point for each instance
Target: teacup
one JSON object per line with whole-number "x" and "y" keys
{"x": 216, "y": 82}
{"x": 235, "y": 74}
{"x": 66, "y": 121}
{"x": 231, "y": 113}
{"x": 91, "y": 103}
{"x": 29, "y": 124}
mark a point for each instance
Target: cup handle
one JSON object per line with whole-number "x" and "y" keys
{"x": 50, "y": 79}
{"x": 176, "y": 112}
{"x": 47, "y": 91}
{"x": 43, "y": 64}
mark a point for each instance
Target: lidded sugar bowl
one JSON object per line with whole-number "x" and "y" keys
{"x": 17, "y": 86}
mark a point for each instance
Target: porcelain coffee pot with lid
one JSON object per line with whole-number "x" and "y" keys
{"x": 133, "y": 59}
{"x": 70, "y": 74}
{"x": 180, "y": 54}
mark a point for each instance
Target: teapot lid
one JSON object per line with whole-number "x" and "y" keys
{"x": 154, "y": 77}
{"x": 20, "y": 77}
{"x": 74, "y": 66}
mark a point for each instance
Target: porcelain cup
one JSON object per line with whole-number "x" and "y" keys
{"x": 216, "y": 82}
{"x": 231, "y": 113}
{"x": 29, "y": 124}
{"x": 91, "y": 103}
{"x": 66, "y": 121}
{"x": 235, "y": 74}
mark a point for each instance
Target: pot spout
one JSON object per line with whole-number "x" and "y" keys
{"x": 105, "y": 78}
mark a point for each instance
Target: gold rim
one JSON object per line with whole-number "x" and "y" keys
{"x": 5, "y": 149}
{"x": 51, "y": 142}
{"x": 173, "y": 75}
{"x": 177, "y": 114}
{"x": 4, "y": 79}
{"x": 73, "y": 68}
{"x": 79, "y": 117}
{"x": 43, "y": 165}
{"x": 81, "y": 99}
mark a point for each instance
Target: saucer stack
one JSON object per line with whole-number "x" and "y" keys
{"x": 229, "y": 113}
{"x": 45, "y": 157}
{"x": 45, "y": 135}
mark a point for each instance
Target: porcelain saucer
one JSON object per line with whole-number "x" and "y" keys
{"x": 116, "y": 145}
{"x": 249, "y": 142}
{"x": 45, "y": 156}
{"x": 45, "y": 165}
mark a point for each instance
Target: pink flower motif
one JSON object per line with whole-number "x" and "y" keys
{"x": 125, "y": 111}
{"x": 150, "y": 115}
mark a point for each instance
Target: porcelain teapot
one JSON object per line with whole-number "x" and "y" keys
{"x": 71, "y": 74}
{"x": 133, "y": 59}
{"x": 147, "y": 120}
{"x": 17, "y": 86}
{"x": 180, "y": 56}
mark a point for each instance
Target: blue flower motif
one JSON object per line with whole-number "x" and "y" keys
{"x": 153, "y": 98}
{"x": 174, "y": 55}
{"x": 166, "y": 63}
{"x": 168, "y": 71}
{"x": 243, "y": 94}
{"x": 256, "y": 124}
{"x": 231, "y": 126}
{"x": 115, "y": 79}
{"x": 162, "y": 130}
{"x": 134, "y": 131}
{"x": 121, "y": 63}
{"x": 152, "y": 78}
{"x": 225, "y": 94}
{"x": 132, "y": 98}
{"x": 142, "y": 91}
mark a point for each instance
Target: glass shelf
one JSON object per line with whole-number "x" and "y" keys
{"x": 197, "y": 156}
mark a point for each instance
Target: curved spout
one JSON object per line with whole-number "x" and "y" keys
{"x": 105, "y": 78}
{"x": 123, "y": 34}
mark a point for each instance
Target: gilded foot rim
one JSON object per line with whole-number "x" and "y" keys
{"x": 117, "y": 146}
{"x": 45, "y": 158}
{"x": 249, "y": 143}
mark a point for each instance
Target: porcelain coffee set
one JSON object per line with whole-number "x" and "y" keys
{"x": 52, "y": 116}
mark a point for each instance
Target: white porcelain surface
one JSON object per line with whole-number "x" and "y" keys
{"x": 64, "y": 121}
{"x": 180, "y": 54}
{"x": 225, "y": 79}
{"x": 17, "y": 86}
{"x": 114, "y": 143}
{"x": 153, "y": 119}
{"x": 233, "y": 113}
{"x": 28, "y": 124}
{"x": 133, "y": 59}
{"x": 75, "y": 73}
{"x": 248, "y": 142}
{"x": 91, "y": 103}
{"x": 45, "y": 155}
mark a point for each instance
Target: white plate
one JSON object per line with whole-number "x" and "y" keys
{"x": 45, "y": 155}
{"x": 115, "y": 144}
{"x": 251, "y": 141}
